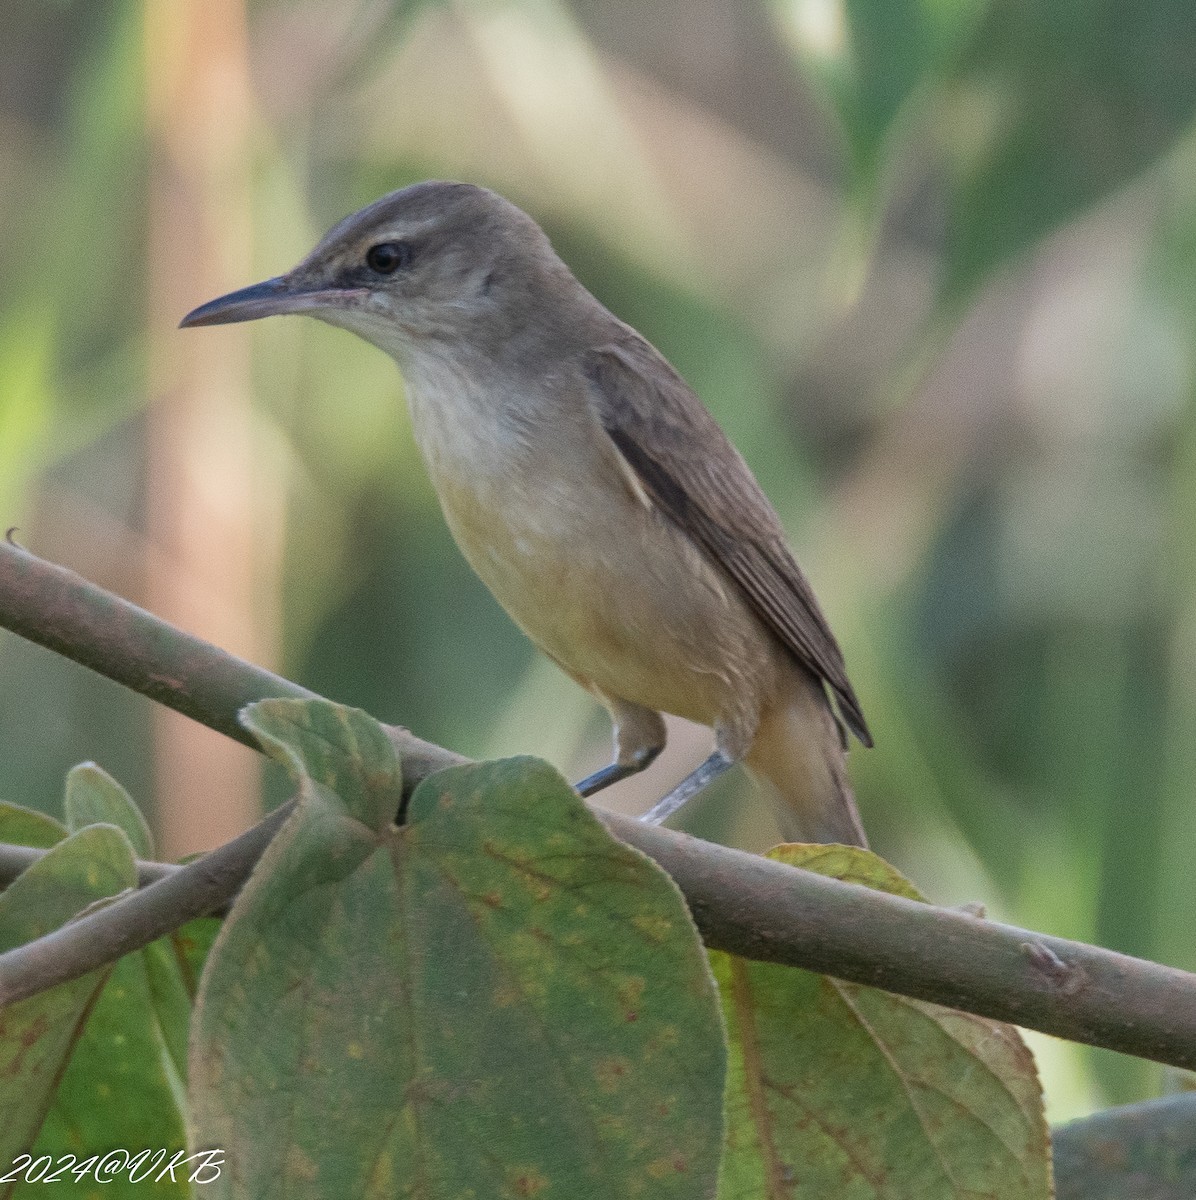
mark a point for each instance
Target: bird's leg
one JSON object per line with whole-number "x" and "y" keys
{"x": 613, "y": 772}
{"x": 639, "y": 738}
{"x": 689, "y": 787}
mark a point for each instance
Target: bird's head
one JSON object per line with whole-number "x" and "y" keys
{"x": 433, "y": 263}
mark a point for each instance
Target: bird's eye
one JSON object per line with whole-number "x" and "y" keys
{"x": 387, "y": 257}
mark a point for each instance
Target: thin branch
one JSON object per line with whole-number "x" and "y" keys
{"x": 63, "y": 612}
{"x": 762, "y": 910}
{"x": 138, "y": 918}
{"x": 742, "y": 903}
{"x": 15, "y": 859}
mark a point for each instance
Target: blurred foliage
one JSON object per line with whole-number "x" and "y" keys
{"x": 930, "y": 264}
{"x": 1141, "y": 1150}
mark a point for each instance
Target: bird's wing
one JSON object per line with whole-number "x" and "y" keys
{"x": 691, "y": 471}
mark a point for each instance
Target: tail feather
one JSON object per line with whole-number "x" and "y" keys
{"x": 797, "y": 756}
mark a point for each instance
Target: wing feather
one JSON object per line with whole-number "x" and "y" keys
{"x": 693, "y": 473}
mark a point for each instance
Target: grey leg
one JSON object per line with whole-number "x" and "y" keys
{"x": 613, "y": 772}
{"x": 689, "y": 787}
{"x": 639, "y": 738}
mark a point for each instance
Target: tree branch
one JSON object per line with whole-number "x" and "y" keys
{"x": 57, "y": 609}
{"x": 742, "y": 903}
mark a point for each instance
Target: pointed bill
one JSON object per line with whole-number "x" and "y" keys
{"x": 271, "y": 298}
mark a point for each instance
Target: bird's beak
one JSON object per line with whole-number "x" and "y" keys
{"x": 272, "y": 298}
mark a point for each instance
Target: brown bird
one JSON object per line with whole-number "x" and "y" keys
{"x": 592, "y": 492}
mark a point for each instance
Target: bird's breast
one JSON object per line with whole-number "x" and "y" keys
{"x": 509, "y": 478}
{"x": 594, "y": 575}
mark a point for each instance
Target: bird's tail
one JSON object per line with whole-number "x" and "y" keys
{"x": 797, "y": 756}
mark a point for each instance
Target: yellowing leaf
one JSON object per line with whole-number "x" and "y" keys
{"x": 840, "y": 1090}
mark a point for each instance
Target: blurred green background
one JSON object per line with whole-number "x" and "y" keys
{"x": 929, "y": 263}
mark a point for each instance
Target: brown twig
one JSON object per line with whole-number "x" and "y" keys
{"x": 63, "y": 612}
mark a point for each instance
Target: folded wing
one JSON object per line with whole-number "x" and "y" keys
{"x": 691, "y": 471}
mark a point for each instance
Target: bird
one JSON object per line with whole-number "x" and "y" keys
{"x": 593, "y": 493}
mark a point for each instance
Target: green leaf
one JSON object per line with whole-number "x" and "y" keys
{"x": 1043, "y": 108}
{"x": 26, "y": 827}
{"x": 496, "y": 999}
{"x": 120, "y": 1087}
{"x": 171, "y": 993}
{"x": 37, "y": 1035}
{"x": 1054, "y": 106}
{"x": 867, "y": 58}
{"x": 1136, "y": 1152}
{"x": 93, "y": 797}
{"x": 124, "y": 1078}
{"x": 192, "y": 943}
{"x": 840, "y": 1090}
